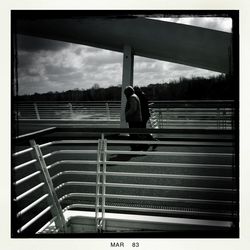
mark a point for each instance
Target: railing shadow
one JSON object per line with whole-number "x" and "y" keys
{"x": 124, "y": 157}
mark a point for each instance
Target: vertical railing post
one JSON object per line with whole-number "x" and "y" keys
{"x": 104, "y": 181}
{"x": 160, "y": 118}
{"x": 224, "y": 118}
{"x": 56, "y": 209}
{"x": 98, "y": 172}
{"x": 218, "y": 118}
{"x": 232, "y": 118}
{"x": 107, "y": 111}
{"x": 70, "y": 110}
{"x": 37, "y": 112}
{"x": 165, "y": 118}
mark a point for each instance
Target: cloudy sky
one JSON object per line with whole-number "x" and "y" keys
{"x": 46, "y": 65}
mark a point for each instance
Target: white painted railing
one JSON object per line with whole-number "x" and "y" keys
{"x": 103, "y": 175}
{"x": 68, "y": 110}
{"x": 164, "y": 114}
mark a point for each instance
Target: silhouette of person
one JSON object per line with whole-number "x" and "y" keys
{"x": 133, "y": 114}
{"x": 145, "y": 113}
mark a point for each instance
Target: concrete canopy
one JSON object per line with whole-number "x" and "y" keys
{"x": 177, "y": 43}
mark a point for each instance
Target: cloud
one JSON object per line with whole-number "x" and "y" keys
{"x": 148, "y": 71}
{"x": 73, "y": 66}
{"x": 30, "y": 65}
{"x": 215, "y": 23}
{"x": 46, "y": 65}
{"x": 57, "y": 70}
{"x": 101, "y": 57}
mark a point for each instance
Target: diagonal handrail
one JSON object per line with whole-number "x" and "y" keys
{"x": 56, "y": 209}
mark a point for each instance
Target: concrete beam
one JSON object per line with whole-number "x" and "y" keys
{"x": 177, "y": 43}
{"x": 127, "y": 79}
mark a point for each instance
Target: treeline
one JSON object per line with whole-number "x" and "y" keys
{"x": 214, "y": 88}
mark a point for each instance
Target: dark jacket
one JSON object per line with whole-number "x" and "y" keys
{"x": 144, "y": 106}
{"x": 133, "y": 109}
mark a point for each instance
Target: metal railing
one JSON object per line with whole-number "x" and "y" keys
{"x": 102, "y": 175}
{"x": 164, "y": 114}
{"x": 68, "y": 110}
{"x": 193, "y": 114}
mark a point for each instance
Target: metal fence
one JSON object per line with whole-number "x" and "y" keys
{"x": 164, "y": 114}
{"x": 68, "y": 110}
{"x": 193, "y": 114}
{"x": 103, "y": 176}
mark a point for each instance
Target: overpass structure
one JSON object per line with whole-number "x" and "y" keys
{"x": 190, "y": 183}
{"x": 177, "y": 43}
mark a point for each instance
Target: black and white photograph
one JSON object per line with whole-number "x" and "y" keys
{"x": 125, "y": 124}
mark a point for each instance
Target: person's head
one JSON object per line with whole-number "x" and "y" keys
{"x": 128, "y": 91}
{"x": 137, "y": 90}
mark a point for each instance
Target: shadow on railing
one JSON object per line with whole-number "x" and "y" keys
{"x": 189, "y": 182}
